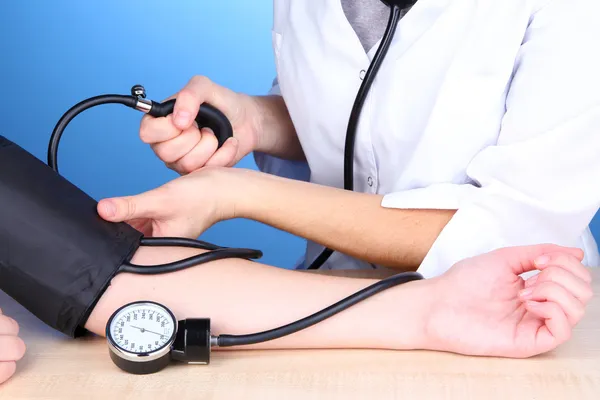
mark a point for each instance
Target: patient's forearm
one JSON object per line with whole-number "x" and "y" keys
{"x": 244, "y": 297}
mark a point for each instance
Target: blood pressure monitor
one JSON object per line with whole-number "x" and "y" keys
{"x": 144, "y": 337}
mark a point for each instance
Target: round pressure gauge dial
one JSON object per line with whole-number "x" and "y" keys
{"x": 140, "y": 336}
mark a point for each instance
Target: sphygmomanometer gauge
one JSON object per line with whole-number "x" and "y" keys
{"x": 140, "y": 337}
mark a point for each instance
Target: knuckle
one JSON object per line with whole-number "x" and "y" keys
{"x": 131, "y": 208}
{"x": 187, "y": 165}
{"x": 544, "y": 287}
{"x": 546, "y": 290}
{"x": 551, "y": 274}
{"x": 146, "y": 130}
{"x": 546, "y": 275}
{"x": 173, "y": 167}
{"x": 200, "y": 80}
{"x": 158, "y": 130}
{"x": 166, "y": 153}
{"x": 588, "y": 295}
{"x": 186, "y": 94}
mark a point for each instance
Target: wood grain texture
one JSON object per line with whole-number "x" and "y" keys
{"x": 59, "y": 368}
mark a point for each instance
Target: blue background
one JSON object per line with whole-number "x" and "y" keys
{"x": 54, "y": 54}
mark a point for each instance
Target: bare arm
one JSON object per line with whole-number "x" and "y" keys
{"x": 277, "y": 135}
{"x": 244, "y": 297}
{"x": 349, "y": 222}
{"x": 352, "y": 223}
{"x": 478, "y": 307}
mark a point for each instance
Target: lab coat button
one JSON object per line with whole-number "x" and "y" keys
{"x": 370, "y": 181}
{"x": 362, "y": 74}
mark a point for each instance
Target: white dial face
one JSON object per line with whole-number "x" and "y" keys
{"x": 142, "y": 328}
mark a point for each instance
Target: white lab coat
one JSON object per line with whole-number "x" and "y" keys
{"x": 491, "y": 107}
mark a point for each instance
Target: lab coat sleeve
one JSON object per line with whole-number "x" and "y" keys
{"x": 297, "y": 170}
{"x": 541, "y": 182}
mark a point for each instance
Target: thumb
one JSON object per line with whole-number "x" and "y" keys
{"x": 120, "y": 209}
{"x": 189, "y": 100}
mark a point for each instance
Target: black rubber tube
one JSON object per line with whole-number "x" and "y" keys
{"x": 77, "y": 109}
{"x": 179, "y": 265}
{"x": 178, "y": 242}
{"x": 239, "y": 340}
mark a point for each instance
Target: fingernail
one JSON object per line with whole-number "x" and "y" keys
{"x": 531, "y": 281}
{"x": 532, "y": 304}
{"x": 541, "y": 261}
{"x": 526, "y": 293}
{"x": 182, "y": 118}
{"x": 110, "y": 209}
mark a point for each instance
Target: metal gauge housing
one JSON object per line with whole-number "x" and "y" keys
{"x": 140, "y": 336}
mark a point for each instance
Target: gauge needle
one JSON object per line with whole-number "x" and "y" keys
{"x": 146, "y": 330}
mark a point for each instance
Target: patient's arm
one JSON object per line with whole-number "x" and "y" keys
{"x": 480, "y": 306}
{"x": 245, "y": 297}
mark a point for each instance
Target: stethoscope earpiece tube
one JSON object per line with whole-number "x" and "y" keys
{"x": 361, "y": 97}
{"x": 207, "y": 117}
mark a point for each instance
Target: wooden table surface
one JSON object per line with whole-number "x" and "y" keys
{"x": 59, "y": 368}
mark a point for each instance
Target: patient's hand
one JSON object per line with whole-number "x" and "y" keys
{"x": 483, "y": 307}
{"x": 12, "y": 348}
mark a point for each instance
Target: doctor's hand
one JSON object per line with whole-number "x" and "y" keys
{"x": 483, "y": 307}
{"x": 12, "y": 348}
{"x": 184, "y": 207}
{"x": 178, "y": 142}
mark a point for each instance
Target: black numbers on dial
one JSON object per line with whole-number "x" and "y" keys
{"x": 141, "y": 330}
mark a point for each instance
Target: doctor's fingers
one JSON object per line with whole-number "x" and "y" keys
{"x": 8, "y": 326}
{"x": 198, "y": 90}
{"x": 199, "y": 155}
{"x": 174, "y": 149}
{"x": 157, "y": 130}
{"x": 227, "y": 156}
{"x": 12, "y": 348}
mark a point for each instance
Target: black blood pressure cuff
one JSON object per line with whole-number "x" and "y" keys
{"x": 57, "y": 256}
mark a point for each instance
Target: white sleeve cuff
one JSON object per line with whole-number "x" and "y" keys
{"x": 489, "y": 219}
{"x": 443, "y": 196}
